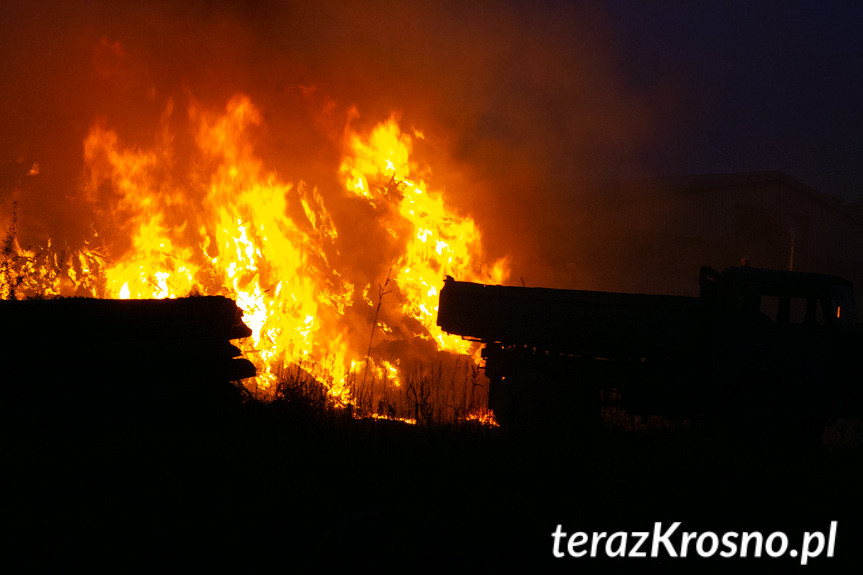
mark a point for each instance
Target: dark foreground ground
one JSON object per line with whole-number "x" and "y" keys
{"x": 180, "y": 481}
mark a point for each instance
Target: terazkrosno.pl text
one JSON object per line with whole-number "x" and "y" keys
{"x": 669, "y": 541}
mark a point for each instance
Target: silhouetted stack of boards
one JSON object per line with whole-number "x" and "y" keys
{"x": 76, "y": 347}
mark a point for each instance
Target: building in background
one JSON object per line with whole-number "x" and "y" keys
{"x": 652, "y": 235}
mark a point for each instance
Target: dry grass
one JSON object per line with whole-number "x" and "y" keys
{"x": 430, "y": 395}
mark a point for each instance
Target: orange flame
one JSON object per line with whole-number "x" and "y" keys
{"x": 440, "y": 243}
{"x": 230, "y": 227}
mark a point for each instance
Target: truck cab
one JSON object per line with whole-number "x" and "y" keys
{"x": 781, "y": 344}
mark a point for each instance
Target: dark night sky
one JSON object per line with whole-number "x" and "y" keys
{"x": 761, "y": 85}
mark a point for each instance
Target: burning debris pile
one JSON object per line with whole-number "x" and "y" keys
{"x": 216, "y": 221}
{"x": 162, "y": 149}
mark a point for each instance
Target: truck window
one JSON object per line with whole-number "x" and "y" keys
{"x": 842, "y": 306}
{"x": 794, "y": 310}
{"x": 770, "y": 307}
{"x": 797, "y": 310}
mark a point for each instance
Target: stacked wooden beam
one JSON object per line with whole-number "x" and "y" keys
{"x": 123, "y": 343}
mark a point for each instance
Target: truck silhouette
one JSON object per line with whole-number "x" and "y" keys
{"x": 758, "y": 349}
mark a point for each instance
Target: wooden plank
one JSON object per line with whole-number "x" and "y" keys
{"x": 123, "y": 340}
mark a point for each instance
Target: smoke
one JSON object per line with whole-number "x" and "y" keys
{"x": 515, "y": 100}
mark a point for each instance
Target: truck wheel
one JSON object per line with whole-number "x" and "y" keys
{"x": 770, "y": 423}
{"x": 512, "y": 399}
{"x": 534, "y": 401}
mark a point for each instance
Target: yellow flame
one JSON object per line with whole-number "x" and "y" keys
{"x": 383, "y": 157}
{"x": 225, "y": 229}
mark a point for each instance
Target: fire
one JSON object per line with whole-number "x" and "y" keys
{"x": 226, "y": 225}
{"x": 440, "y": 243}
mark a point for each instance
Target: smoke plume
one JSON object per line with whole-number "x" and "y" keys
{"x": 514, "y": 100}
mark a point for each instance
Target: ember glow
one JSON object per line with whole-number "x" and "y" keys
{"x": 222, "y": 223}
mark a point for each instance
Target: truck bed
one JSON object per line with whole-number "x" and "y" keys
{"x": 571, "y": 321}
